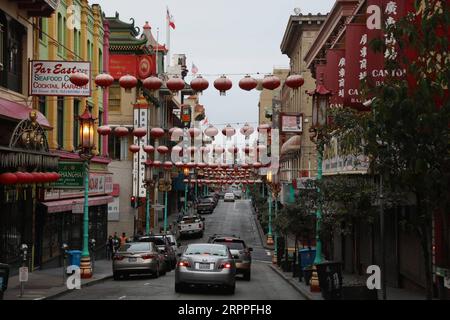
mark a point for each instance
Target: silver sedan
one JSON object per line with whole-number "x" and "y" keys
{"x": 138, "y": 258}
{"x": 208, "y": 265}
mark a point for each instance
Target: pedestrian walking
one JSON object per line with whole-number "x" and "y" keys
{"x": 109, "y": 248}
{"x": 123, "y": 239}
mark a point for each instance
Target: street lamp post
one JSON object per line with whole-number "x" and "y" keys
{"x": 167, "y": 187}
{"x": 87, "y": 123}
{"x": 186, "y": 172}
{"x": 321, "y": 100}
{"x": 149, "y": 186}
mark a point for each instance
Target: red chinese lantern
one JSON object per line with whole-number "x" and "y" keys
{"x": 201, "y": 165}
{"x": 177, "y": 150}
{"x": 29, "y": 177}
{"x": 228, "y": 131}
{"x": 219, "y": 150}
{"x": 247, "y": 149}
{"x": 121, "y": 132}
{"x": 140, "y": 132}
{"x": 295, "y": 81}
{"x": 148, "y": 149}
{"x": 233, "y": 150}
{"x": 157, "y": 164}
{"x": 264, "y": 128}
{"x": 257, "y": 165}
{"x": 205, "y": 150}
{"x": 162, "y": 150}
{"x": 175, "y": 133}
{"x": 134, "y": 148}
{"x": 211, "y": 131}
{"x": 179, "y": 164}
{"x": 21, "y": 177}
{"x": 152, "y": 83}
{"x": 247, "y": 130}
{"x": 213, "y": 165}
{"x": 8, "y": 178}
{"x": 104, "y": 80}
{"x": 175, "y": 84}
{"x": 223, "y": 84}
{"x": 195, "y": 132}
{"x": 271, "y": 82}
{"x": 128, "y": 82}
{"x": 245, "y": 166}
{"x": 157, "y": 133}
{"x": 104, "y": 130}
{"x": 248, "y": 83}
{"x": 79, "y": 79}
{"x": 199, "y": 84}
{"x": 168, "y": 165}
{"x": 190, "y": 165}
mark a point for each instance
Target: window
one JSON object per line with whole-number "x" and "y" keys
{"x": 41, "y": 28}
{"x": 76, "y": 113}
{"x": 42, "y": 105}
{"x": 100, "y": 61}
{"x": 89, "y": 52}
{"x": 118, "y": 148}
{"x": 60, "y": 33}
{"x": 100, "y": 123}
{"x": 60, "y": 124}
{"x": 114, "y": 98}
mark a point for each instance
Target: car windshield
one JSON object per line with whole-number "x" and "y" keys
{"x": 157, "y": 241}
{"x": 189, "y": 220}
{"x": 136, "y": 247}
{"x": 232, "y": 245}
{"x": 207, "y": 200}
{"x": 213, "y": 250}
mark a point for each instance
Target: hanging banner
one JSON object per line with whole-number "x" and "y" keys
{"x": 140, "y": 67}
{"x": 52, "y": 78}
{"x": 335, "y": 76}
{"x": 356, "y": 54}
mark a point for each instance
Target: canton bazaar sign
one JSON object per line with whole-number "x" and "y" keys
{"x": 52, "y": 78}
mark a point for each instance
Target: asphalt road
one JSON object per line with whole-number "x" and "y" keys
{"x": 229, "y": 218}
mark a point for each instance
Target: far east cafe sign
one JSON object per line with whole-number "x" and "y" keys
{"x": 347, "y": 69}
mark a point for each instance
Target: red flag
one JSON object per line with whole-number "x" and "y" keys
{"x": 170, "y": 20}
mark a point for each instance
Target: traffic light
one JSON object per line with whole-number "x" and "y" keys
{"x": 133, "y": 202}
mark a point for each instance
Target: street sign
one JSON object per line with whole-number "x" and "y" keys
{"x": 23, "y": 274}
{"x": 158, "y": 206}
{"x": 71, "y": 175}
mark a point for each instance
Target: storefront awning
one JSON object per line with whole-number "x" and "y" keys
{"x": 75, "y": 205}
{"x": 291, "y": 146}
{"x": 15, "y": 111}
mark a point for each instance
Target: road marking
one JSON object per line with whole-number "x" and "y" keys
{"x": 268, "y": 253}
{"x": 123, "y": 297}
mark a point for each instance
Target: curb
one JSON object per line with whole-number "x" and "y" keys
{"x": 88, "y": 284}
{"x": 302, "y": 291}
{"x": 262, "y": 235}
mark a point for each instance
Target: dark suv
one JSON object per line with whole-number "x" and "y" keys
{"x": 164, "y": 246}
{"x": 240, "y": 252}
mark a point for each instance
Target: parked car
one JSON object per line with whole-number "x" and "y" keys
{"x": 173, "y": 242}
{"x": 240, "y": 252}
{"x": 164, "y": 246}
{"x": 229, "y": 197}
{"x": 221, "y": 194}
{"x": 206, "y": 205}
{"x": 138, "y": 258}
{"x": 237, "y": 194}
{"x": 208, "y": 265}
{"x": 191, "y": 226}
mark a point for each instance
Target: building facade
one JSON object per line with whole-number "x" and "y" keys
{"x": 298, "y": 153}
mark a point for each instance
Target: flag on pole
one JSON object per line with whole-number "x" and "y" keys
{"x": 170, "y": 19}
{"x": 194, "y": 69}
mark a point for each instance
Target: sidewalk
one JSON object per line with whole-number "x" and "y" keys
{"x": 262, "y": 234}
{"x": 303, "y": 289}
{"x": 48, "y": 283}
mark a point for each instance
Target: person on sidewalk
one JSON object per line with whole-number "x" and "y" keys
{"x": 109, "y": 248}
{"x": 123, "y": 239}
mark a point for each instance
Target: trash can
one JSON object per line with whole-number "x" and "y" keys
{"x": 330, "y": 279}
{"x": 4, "y": 277}
{"x": 305, "y": 259}
{"x": 74, "y": 257}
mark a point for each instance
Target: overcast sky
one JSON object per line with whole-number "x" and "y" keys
{"x": 222, "y": 37}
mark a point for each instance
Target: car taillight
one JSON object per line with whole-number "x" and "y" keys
{"x": 148, "y": 256}
{"x": 225, "y": 265}
{"x": 184, "y": 263}
{"x": 118, "y": 257}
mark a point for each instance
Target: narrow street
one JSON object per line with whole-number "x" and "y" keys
{"x": 228, "y": 218}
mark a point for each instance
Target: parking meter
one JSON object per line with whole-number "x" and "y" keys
{"x": 92, "y": 243}
{"x": 64, "y": 254}
{"x": 24, "y": 254}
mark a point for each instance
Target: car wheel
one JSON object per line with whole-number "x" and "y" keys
{"x": 116, "y": 276}
{"x": 156, "y": 273}
{"x": 179, "y": 287}
{"x": 230, "y": 289}
{"x": 247, "y": 275}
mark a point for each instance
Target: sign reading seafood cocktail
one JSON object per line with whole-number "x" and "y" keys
{"x": 52, "y": 78}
